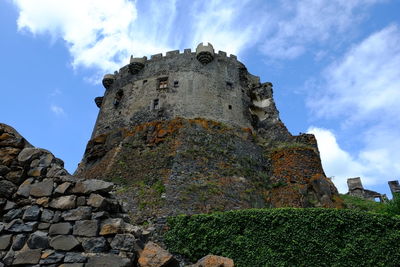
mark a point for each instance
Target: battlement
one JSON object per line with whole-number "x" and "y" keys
{"x": 221, "y": 55}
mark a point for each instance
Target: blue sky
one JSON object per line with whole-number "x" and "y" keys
{"x": 335, "y": 66}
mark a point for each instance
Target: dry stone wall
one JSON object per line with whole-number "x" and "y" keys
{"x": 49, "y": 218}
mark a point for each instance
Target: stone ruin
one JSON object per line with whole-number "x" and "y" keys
{"x": 356, "y": 189}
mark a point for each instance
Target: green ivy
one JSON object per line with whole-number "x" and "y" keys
{"x": 289, "y": 237}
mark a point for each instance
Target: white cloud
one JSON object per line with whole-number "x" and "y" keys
{"x": 303, "y": 23}
{"x": 103, "y": 34}
{"x": 363, "y": 89}
{"x": 365, "y": 83}
{"x": 57, "y": 110}
{"x": 375, "y": 165}
{"x": 337, "y": 163}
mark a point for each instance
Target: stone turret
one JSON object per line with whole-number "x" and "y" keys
{"x": 136, "y": 64}
{"x": 108, "y": 80}
{"x": 205, "y": 53}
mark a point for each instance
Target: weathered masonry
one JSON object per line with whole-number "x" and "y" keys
{"x": 189, "y": 85}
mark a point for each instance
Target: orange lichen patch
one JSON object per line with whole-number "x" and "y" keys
{"x": 287, "y": 196}
{"x": 295, "y": 164}
{"x": 100, "y": 139}
{"x": 214, "y": 261}
{"x": 5, "y": 136}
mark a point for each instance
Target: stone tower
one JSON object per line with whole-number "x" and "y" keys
{"x": 188, "y": 85}
{"x": 196, "y": 132}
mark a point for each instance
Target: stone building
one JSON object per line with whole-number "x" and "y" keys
{"x": 356, "y": 189}
{"x": 189, "y": 132}
{"x": 203, "y": 84}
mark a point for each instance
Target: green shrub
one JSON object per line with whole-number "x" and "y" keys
{"x": 393, "y": 206}
{"x": 289, "y": 237}
{"x": 362, "y": 204}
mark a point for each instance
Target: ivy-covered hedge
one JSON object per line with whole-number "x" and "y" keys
{"x": 289, "y": 237}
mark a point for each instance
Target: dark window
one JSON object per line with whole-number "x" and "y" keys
{"x": 230, "y": 106}
{"x": 118, "y": 97}
{"x": 144, "y": 81}
{"x": 229, "y": 85}
{"x": 176, "y": 83}
{"x": 156, "y": 104}
{"x": 163, "y": 83}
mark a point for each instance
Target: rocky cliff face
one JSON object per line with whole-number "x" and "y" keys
{"x": 187, "y": 166}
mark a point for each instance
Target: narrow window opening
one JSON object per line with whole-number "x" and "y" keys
{"x": 144, "y": 81}
{"x": 229, "y": 85}
{"x": 230, "y": 106}
{"x": 176, "y": 83}
{"x": 118, "y": 97}
{"x": 163, "y": 83}
{"x": 156, "y": 104}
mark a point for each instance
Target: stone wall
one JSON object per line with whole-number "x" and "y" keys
{"x": 50, "y": 218}
{"x": 219, "y": 90}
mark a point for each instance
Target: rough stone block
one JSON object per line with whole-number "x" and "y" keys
{"x": 97, "y": 201}
{"x": 112, "y": 226}
{"x": 92, "y": 186}
{"x": 43, "y": 226}
{"x": 124, "y": 242}
{"x": 153, "y": 255}
{"x": 25, "y": 188}
{"x": 43, "y": 201}
{"x": 80, "y": 213}
{"x": 31, "y": 256}
{"x": 36, "y": 172}
{"x": 81, "y": 201}
{"x": 62, "y": 188}
{"x": 108, "y": 260}
{"x": 32, "y": 213}
{"x": 42, "y": 189}
{"x": 60, "y": 229}
{"x": 51, "y": 257}
{"x": 214, "y": 261}
{"x": 64, "y": 202}
{"x": 72, "y": 265}
{"x": 86, "y": 228}
{"x": 5, "y": 241}
{"x": 18, "y": 226}
{"x": 28, "y": 154}
{"x": 64, "y": 242}
{"x": 96, "y": 245}
{"x": 47, "y": 215}
{"x": 19, "y": 241}
{"x": 12, "y": 214}
{"x": 38, "y": 239}
{"x": 74, "y": 257}
{"x": 7, "y": 188}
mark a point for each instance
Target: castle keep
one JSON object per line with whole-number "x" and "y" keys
{"x": 194, "y": 132}
{"x": 203, "y": 84}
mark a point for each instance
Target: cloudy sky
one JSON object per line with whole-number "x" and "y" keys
{"x": 335, "y": 66}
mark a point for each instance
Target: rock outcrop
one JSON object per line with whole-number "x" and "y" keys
{"x": 186, "y": 166}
